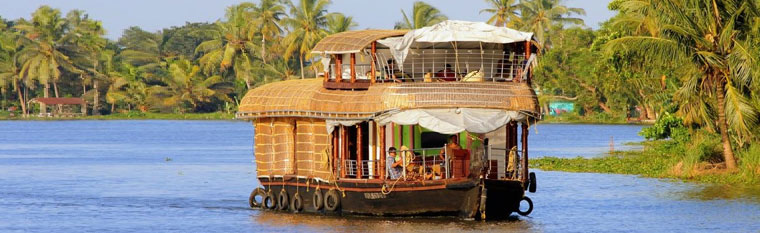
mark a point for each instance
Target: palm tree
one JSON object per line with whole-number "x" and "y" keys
{"x": 504, "y": 13}
{"x": 266, "y": 21}
{"x": 540, "y": 17}
{"x": 187, "y": 87}
{"x": 307, "y": 23}
{"x": 423, "y": 15}
{"x": 41, "y": 58}
{"x": 713, "y": 45}
{"x": 639, "y": 18}
{"x": 9, "y": 66}
{"x": 144, "y": 50}
{"x": 232, "y": 49}
{"x": 337, "y": 22}
{"x": 84, "y": 41}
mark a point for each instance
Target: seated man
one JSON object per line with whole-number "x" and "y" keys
{"x": 392, "y": 72}
{"x": 394, "y": 164}
{"x": 453, "y": 144}
{"x": 447, "y": 74}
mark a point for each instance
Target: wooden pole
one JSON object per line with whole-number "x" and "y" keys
{"x": 359, "y": 151}
{"x": 525, "y": 153}
{"x": 353, "y": 67}
{"x": 527, "y": 55}
{"x": 374, "y": 61}
{"x": 338, "y": 68}
{"x": 514, "y": 133}
{"x": 336, "y": 148}
{"x": 343, "y": 147}
{"x": 383, "y": 152}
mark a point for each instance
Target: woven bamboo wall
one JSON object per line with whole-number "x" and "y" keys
{"x": 274, "y": 148}
{"x": 312, "y": 143}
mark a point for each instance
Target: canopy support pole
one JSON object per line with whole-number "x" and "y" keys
{"x": 527, "y": 55}
{"x": 335, "y": 148}
{"x": 383, "y": 152}
{"x": 359, "y": 151}
{"x": 374, "y": 60}
{"x": 525, "y": 154}
{"x": 343, "y": 151}
{"x": 353, "y": 67}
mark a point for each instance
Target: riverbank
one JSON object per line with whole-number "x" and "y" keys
{"x": 604, "y": 119}
{"x": 133, "y": 116}
{"x": 658, "y": 160}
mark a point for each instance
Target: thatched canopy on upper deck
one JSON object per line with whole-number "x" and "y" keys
{"x": 353, "y": 41}
{"x": 307, "y": 98}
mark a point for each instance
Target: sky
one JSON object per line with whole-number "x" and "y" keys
{"x": 154, "y": 15}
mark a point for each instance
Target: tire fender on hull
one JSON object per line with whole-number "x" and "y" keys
{"x": 318, "y": 200}
{"x": 270, "y": 201}
{"x": 297, "y": 203}
{"x": 332, "y": 200}
{"x": 257, "y": 192}
{"x": 282, "y": 200}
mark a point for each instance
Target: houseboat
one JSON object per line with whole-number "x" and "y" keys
{"x": 401, "y": 123}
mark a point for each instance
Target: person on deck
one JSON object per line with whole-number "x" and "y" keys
{"x": 394, "y": 165}
{"x": 453, "y": 144}
{"x": 392, "y": 72}
{"x": 447, "y": 74}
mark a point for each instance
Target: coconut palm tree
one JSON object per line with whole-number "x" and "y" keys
{"x": 307, "y": 23}
{"x": 9, "y": 66}
{"x": 232, "y": 49}
{"x": 541, "y": 16}
{"x": 144, "y": 50}
{"x": 188, "y": 87}
{"x": 713, "y": 45}
{"x": 423, "y": 15}
{"x": 266, "y": 22}
{"x": 337, "y": 22}
{"x": 504, "y": 13}
{"x": 84, "y": 42}
{"x": 40, "y": 57}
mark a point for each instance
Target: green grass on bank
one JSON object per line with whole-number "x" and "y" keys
{"x": 133, "y": 116}
{"x": 662, "y": 159}
{"x": 574, "y": 118}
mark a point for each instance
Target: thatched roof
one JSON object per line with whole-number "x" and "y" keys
{"x": 352, "y": 41}
{"x": 307, "y": 98}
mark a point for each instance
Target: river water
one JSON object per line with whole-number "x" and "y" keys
{"x": 195, "y": 176}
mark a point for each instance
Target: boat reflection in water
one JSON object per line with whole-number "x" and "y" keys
{"x": 402, "y": 130}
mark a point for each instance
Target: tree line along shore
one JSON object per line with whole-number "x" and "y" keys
{"x": 690, "y": 65}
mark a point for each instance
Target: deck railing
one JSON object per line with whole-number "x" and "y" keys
{"x": 503, "y": 163}
{"x": 368, "y": 168}
{"x": 438, "y": 65}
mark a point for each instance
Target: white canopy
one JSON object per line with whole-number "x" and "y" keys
{"x": 454, "y": 31}
{"x": 445, "y": 121}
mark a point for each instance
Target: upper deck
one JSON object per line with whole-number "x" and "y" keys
{"x": 449, "y": 51}
{"x": 453, "y": 64}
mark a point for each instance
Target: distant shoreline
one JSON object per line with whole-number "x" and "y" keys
{"x": 130, "y": 116}
{"x": 231, "y": 116}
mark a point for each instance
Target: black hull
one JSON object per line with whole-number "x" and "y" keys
{"x": 460, "y": 198}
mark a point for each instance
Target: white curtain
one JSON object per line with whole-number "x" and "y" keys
{"x": 451, "y": 121}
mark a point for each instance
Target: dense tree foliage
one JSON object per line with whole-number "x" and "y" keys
{"x": 197, "y": 67}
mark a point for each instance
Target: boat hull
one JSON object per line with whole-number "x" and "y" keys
{"x": 461, "y": 198}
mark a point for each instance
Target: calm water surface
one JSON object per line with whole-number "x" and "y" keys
{"x": 195, "y": 176}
